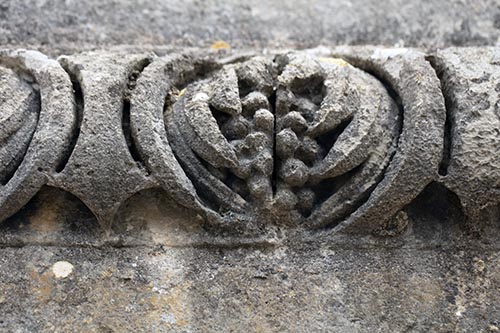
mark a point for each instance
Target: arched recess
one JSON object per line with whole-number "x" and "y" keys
{"x": 52, "y": 216}
{"x": 437, "y": 213}
{"x": 151, "y": 216}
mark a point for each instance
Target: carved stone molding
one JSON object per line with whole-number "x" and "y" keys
{"x": 471, "y": 161}
{"x": 326, "y": 141}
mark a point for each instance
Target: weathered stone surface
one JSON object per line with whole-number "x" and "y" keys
{"x": 88, "y": 24}
{"x": 471, "y": 85}
{"x": 257, "y": 289}
{"x": 101, "y": 146}
{"x": 198, "y": 190}
{"x": 420, "y": 144}
{"x": 293, "y": 139}
{"x": 49, "y": 142}
{"x": 433, "y": 277}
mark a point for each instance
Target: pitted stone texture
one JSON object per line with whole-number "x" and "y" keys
{"x": 471, "y": 169}
{"x": 320, "y": 289}
{"x": 227, "y": 122}
{"x": 250, "y": 142}
{"x": 155, "y": 88}
{"x": 54, "y": 117}
{"x": 72, "y": 26}
{"x": 19, "y": 108}
{"x": 420, "y": 145}
{"x": 287, "y": 135}
{"x": 101, "y": 170}
{"x": 155, "y": 272}
{"x": 339, "y": 127}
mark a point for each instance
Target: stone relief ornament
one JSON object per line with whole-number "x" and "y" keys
{"x": 336, "y": 142}
{"x": 36, "y": 121}
{"x": 471, "y": 164}
{"x": 298, "y": 138}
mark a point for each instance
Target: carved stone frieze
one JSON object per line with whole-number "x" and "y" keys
{"x": 338, "y": 141}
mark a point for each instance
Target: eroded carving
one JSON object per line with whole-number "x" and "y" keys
{"x": 416, "y": 161}
{"x": 19, "y": 116}
{"x": 341, "y": 141}
{"x": 294, "y": 136}
{"x": 48, "y": 102}
{"x": 101, "y": 170}
{"x": 471, "y": 167}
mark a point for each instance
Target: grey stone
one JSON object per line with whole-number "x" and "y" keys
{"x": 73, "y": 26}
{"x": 356, "y": 133}
{"x": 196, "y": 190}
{"x": 415, "y": 163}
{"x": 261, "y": 290}
{"x": 54, "y": 122}
{"x": 471, "y": 165}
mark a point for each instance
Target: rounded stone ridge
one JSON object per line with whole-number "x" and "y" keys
{"x": 36, "y": 118}
{"x": 19, "y": 109}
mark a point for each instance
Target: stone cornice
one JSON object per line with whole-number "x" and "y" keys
{"x": 323, "y": 140}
